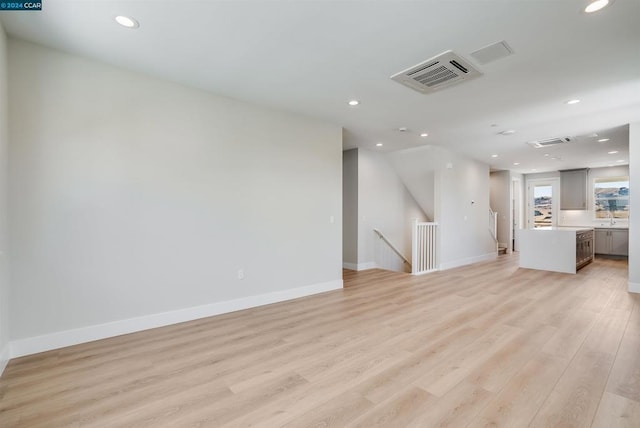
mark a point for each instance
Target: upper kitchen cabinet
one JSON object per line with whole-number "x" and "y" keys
{"x": 573, "y": 189}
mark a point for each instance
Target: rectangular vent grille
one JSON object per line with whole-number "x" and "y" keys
{"x": 492, "y": 52}
{"x": 436, "y": 73}
{"x": 434, "y": 76}
{"x": 549, "y": 142}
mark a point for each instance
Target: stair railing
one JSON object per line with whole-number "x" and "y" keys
{"x": 395, "y": 250}
{"x": 424, "y": 247}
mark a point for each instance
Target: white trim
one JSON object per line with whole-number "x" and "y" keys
{"x": 4, "y": 357}
{"x": 520, "y": 209}
{"x": 367, "y": 265}
{"x": 33, "y": 345}
{"x": 359, "y": 266}
{"x": 554, "y": 182}
{"x": 425, "y": 272}
{"x": 468, "y": 261}
{"x": 634, "y": 287}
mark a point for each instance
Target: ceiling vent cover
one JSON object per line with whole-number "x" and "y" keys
{"x": 549, "y": 142}
{"x": 492, "y": 52}
{"x": 437, "y": 73}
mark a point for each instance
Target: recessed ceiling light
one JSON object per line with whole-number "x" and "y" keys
{"x": 379, "y": 145}
{"x": 620, "y": 160}
{"x": 516, "y": 163}
{"x": 603, "y": 140}
{"x": 494, "y": 156}
{"x": 354, "y": 103}
{"x": 547, "y": 155}
{"x": 424, "y": 135}
{"x": 613, "y": 152}
{"x": 570, "y": 102}
{"x": 508, "y": 132}
{"x": 127, "y": 21}
{"x": 596, "y": 5}
{"x": 403, "y": 129}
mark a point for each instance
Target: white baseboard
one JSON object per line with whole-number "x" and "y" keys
{"x": 360, "y": 266}
{"x": 634, "y": 287}
{"x": 33, "y": 345}
{"x": 468, "y": 261}
{"x": 5, "y": 354}
{"x": 367, "y": 265}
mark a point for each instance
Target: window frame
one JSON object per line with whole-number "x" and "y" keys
{"x": 625, "y": 198}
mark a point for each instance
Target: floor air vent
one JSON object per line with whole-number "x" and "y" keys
{"x": 437, "y": 73}
{"x": 549, "y": 142}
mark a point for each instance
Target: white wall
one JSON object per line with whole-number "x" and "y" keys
{"x": 500, "y": 201}
{"x": 132, "y": 196}
{"x": 518, "y": 193}
{"x": 463, "y": 226}
{"x": 4, "y": 236}
{"x": 542, "y": 175}
{"x": 464, "y": 213}
{"x": 384, "y": 203}
{"x": 417, "y": 176}
{"x": 350, "y": 209}
{"x": 634, "y": 219}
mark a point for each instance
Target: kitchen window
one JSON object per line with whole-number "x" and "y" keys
{"x": 611, "y": 197}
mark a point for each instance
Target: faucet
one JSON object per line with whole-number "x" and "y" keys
{"x": 611, "y": 219}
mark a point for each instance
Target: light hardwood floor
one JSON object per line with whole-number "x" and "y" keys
{"x": 478, "y": 346}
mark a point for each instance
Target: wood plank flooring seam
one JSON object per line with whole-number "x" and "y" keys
{"x": 610, "y": 369}
{"x": 600, "y": 317}
{"x": 481, "y": 345}
{"x": 533, "y": 418}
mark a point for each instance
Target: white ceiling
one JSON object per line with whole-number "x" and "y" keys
{"x": 312, "y": 57}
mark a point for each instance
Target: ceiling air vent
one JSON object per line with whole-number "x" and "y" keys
{"x": 492, "y": 52}
{"x": 549, "y": 142}
{"x": 437, "y": 73}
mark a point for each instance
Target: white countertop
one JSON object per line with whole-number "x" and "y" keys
{"x": 576, "y": 228}
{"x": 565, "y": 228}
{"x": 604, "y": 225}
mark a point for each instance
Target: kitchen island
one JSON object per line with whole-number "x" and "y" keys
{"x": 557, "y": 249}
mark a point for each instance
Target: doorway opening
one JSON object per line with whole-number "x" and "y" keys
{"x": 543, "y": 203}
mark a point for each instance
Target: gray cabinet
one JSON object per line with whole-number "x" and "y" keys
{"x": 602, "y": 242}
{"x": 619, "y": 242}
{"x": 613, "y": 242}
{"x": 573, "y": 189}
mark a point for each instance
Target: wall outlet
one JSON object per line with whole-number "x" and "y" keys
{"x": 240, "y": 274}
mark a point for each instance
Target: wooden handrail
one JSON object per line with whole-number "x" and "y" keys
{"x": 395, "y": 250}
